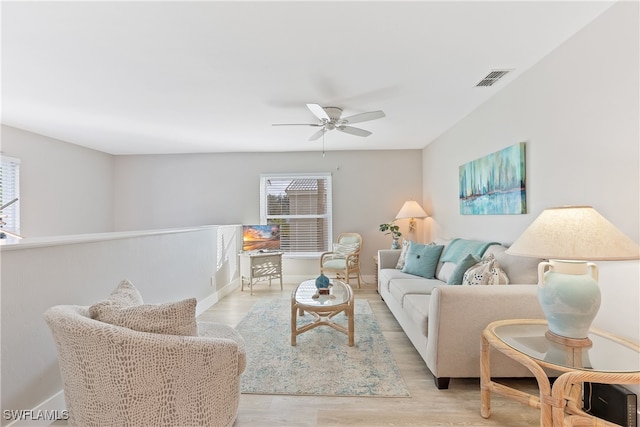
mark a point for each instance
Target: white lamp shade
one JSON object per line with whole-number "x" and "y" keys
{"x": 574, "y": 233}
{"x": 411, "y": 209}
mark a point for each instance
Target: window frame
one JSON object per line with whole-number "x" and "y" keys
{"x": 328, "y": 216}
{"x": 10, "y": 175}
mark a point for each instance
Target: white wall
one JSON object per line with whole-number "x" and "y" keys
{"x": 67, "y": 189}
{"x": 64, "y": 188}
{"x": 369, "y": 188}
{"x": 578, "y": 112}
{"x": 79, "y": 270}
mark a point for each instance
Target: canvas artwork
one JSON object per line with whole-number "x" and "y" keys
{"x": 494, "y": 184}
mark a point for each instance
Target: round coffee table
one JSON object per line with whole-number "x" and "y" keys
{"x": 322, "y": 307}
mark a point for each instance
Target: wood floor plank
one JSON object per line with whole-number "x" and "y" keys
{"x": 427, "y": 406}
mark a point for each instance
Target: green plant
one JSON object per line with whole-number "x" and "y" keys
{"x": 392, "y": 229}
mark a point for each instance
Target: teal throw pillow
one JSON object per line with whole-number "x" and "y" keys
{"x": 422, "y": 260}
{"x": 461, "y": 267}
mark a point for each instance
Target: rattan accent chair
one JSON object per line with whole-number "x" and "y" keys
{"x": 344, "y": 259}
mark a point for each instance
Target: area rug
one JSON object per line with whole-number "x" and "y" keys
{"x": 321, "y": 363}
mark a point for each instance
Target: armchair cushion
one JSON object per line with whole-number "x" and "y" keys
{"x": 335, "y": 264}
{"x": 172, "y": 318}
{"x": 342, "y": 250}
{"x": 124, "y": 295}
{"x": 124, "y": 307}
{"x": 349, "y": 238}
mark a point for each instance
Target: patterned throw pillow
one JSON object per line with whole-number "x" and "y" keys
{"x": 172, "y": 318}
{"x": 403, "y": 254}
{"x": 124, "y": 307}
{"x": 342, "y": 250}
{"x": 486, "y": 272}
{"x": 125, "y": 295}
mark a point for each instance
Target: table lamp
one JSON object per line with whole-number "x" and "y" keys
{"x": 411, "y": 209}
{"x": 568, "y": 291}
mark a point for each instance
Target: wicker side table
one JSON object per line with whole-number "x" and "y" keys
{"x": 525, "y": 341}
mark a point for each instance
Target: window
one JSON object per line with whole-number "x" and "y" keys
{"x": 10, "y": 191}
{"x": 301, "y": 205}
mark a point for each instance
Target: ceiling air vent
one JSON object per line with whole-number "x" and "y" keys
{"x": 492, "y": 77}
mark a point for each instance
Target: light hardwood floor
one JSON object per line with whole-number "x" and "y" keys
{"x": 427, "y": 406}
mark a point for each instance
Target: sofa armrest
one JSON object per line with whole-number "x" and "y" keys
{"x": 388, "y": 258}
{"x": 459, "y": 314}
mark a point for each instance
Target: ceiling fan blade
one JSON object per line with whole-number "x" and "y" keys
{"x": 353, "y": 131}
{"x": 363, "y": 117}
{"x": 317, "y": 134}
{"x": 318, "y": 111}
{"x": 297, "y": 124}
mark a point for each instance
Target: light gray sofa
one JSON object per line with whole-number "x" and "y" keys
{"x": 444, "y": 322}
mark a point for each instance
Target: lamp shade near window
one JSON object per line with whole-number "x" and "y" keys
{"x": 568, "y": 292}
{"x": 411, "y": 209}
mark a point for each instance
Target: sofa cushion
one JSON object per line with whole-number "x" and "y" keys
{"x": 422, "y": 260}
{"x": 400, "y": 288}
{"x": 461, "y": 268}
{"x": 386, "y": 275}
{"x": 173, "y": 318}
{"x": 416, "y": 308}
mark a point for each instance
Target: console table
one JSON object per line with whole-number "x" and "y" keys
{"x": 526, "y": 341}
{"x": 255, "y": 266}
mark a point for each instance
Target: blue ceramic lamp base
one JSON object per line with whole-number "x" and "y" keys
{"x": 569, "y": 295}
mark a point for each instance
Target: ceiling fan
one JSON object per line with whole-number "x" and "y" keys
{"x": 330, "y": 119}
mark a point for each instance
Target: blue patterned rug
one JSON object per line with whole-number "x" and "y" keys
{"x": 321, "y": 363}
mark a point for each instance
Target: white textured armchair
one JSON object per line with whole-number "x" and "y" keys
{"x": 115, "y": 376}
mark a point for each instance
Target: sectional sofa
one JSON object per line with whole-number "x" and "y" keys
{"x": 444, "y": 321}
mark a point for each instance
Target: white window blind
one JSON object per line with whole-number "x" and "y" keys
{"x": 9, "y": 191}
{"x": 301, "y": 205}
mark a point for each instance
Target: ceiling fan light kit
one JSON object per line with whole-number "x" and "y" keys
{"x": 330, "y": 118}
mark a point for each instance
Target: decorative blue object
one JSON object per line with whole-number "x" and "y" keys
{"x": 322, "y": 282}
{"x": 569, "y": 296}
{"x": 395, "y": 244}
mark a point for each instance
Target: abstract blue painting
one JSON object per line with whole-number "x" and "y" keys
{"x": 494, "y": 184}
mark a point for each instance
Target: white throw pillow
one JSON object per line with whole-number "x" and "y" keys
{"x": 445, "y": 271}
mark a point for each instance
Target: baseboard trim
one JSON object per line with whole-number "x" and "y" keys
{"x": 211, "y": 300}
{"x": 42, "y": 415}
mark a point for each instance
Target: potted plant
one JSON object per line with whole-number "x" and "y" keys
{"x": 394, "y": 230}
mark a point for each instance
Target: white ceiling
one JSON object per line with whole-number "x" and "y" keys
{"x": 191, "y": 77}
